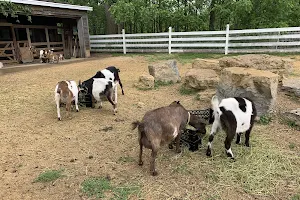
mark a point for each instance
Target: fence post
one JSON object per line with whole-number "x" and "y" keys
{"x": 124, "y": 43}
{"x": 227, "y": 39}
{"x": 170, "y": 37}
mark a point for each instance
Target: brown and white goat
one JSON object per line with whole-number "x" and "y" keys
{"x": 66, "y": 92}
{"x": 161, "y": 126}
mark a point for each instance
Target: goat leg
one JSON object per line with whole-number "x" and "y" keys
{"x": 238, "y": 138}
{"x": 178, "y": 150}
{"x": 152, "y": 162}
{"x": 141, "y": 153}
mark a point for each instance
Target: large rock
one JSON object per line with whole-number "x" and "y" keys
{"x": 201, "y": 79}
{"x": 199, "y": 63}
{"x": 166, "y": 71}
{"x": 275, "y": 64}
{"x": 291, "y": 85}
{"x": 146, "y": 81}
{"x": 260, "y": 86}
{"x": 293, "y": 117}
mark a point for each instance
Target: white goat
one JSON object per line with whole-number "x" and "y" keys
{"x": 235, "y": 116}
{"x": 66, "y": 92}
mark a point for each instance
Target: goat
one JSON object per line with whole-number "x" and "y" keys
{"x": 235, "y": 116}
{"x": 111, "y": 73}
{"x": 97, "y": 87}
{"x": 66, "y": 92}
{"x": 161, "y": 126}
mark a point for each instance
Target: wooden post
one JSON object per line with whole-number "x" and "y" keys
{"x": 28, "y": 37}
{"x": 63, "y": 40}
{"x": 170, "y": 37}
{"x": 15, "y": 51}
{"x": 83, "y": 36}
{"x": 47, "y": 38}
{"x": 227, "y": 39}
{"x": 124, "y": 41}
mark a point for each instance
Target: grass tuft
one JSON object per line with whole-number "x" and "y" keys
{"x": 95, "y": 187}
{"x": 187, "y": 91}
{"x": 265, "y": 119}
{"x": 258, "y": 170}
{"x": 48, "y": 176}
{"x": 158, "y": 84}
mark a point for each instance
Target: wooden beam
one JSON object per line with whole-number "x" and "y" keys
{"x": 5, "y": 24}
{"x": 47, "y": 38}
{"x": 15, "y": 44}
{"x": 63, "y": 39}
{"x": 34, "y": 26}
{"x": 28, "y": 36}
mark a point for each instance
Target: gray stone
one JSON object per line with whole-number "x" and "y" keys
{"x": 291, "y": 85}
{"x": 166, "y": 71}
{"x": 201, "y": 79}
{"x": 293, "y": 116}
{"x": 258, "y": 85}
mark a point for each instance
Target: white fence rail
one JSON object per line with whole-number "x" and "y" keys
{"x": 228, "y": 41}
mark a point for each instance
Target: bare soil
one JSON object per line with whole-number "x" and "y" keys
{"x": 32, "y": 140}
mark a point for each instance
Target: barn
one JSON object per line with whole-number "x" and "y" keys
{"x": 58, "y": 26}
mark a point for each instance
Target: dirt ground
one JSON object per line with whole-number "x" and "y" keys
{"x": 32, "y": 140}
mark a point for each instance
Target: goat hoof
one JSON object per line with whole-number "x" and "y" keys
{"x": 141, "y": 163}
{"x": 77, "y": 110}
{"x": 178, "y": 151}
{"x": 247, "y": 145}
{"x": 154, "y": 173}
{"x": 170, "y": 146}
{"x": 208, "y": 153}
{"x": 59, "y": 119}
{"x": 229, "y": 155}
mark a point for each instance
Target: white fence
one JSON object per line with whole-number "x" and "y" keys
{"x": 228, "y": 41}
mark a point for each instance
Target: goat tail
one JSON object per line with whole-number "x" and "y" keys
{"x": 135, "y": 124}
{"x": 215, "y": 106}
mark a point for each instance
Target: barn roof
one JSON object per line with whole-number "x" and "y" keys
{"x": 52, "y": 4}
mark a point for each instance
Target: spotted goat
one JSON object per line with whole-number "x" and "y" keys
{"x": 235, "y": 116}
{"x": 66, "y": 92}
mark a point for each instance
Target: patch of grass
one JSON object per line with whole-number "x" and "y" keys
{"x": 126, "y": 159}
{"x": 98, "y": 186}
{"x": 198, "y": 97}
{"x": 48, "y": 176}
{"x": 295, "y": 197}
{"x": 292, "y": 146}
{"x": 182, "y": 169}
{"x": 124, "y": 192}
{"x": 95, "y": 187}
{"x": 187, "y": 91}
{"x": 265, "y": 119}
{"x": 158, "y": 84}
{"x": 258, "y": 170}
{"x": 291, "y": 124}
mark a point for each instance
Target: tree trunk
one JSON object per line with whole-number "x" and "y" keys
{"x": 212, "y": 15}
{"x": 111, "y": 26}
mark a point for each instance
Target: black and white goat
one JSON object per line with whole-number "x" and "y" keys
{"x": 97, "y": 87}
{"x": 111, "y": 73}
{"x": 235, "y": 116}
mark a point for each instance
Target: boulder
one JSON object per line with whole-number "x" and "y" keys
{"x": 206, "y": 95}
{"x": 166, "y": 71}
{"x": 145, "y": 81}
{"x": 275, "y": 64}
{"x": 199, "y": 63}
{"x": 292, "y": 117}
{"x": 291, "y": 85}
{"x": 258, "y": 85}
{"x": 201, "y": 79}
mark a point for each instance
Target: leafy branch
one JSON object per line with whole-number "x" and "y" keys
{"x": 13, "y": 10}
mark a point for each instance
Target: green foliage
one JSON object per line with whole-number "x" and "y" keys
{"x": 48, "y": 176}
{"x": 13, "y": 10}
{"x": 187, "y": 91}
{"x": 96, "y": 187}
{"x": 158, "y": 84}
{"x": 265, "y": 119}
{"x": 296, "y": 197}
